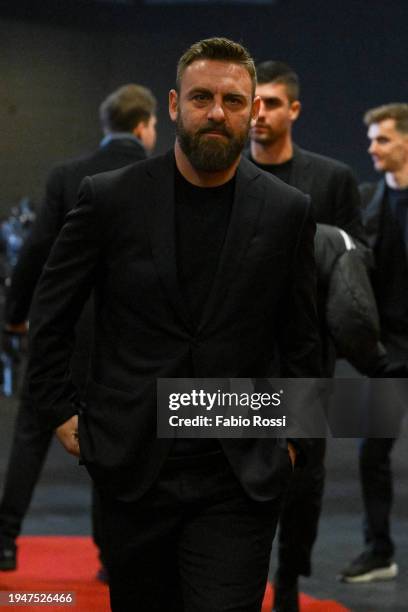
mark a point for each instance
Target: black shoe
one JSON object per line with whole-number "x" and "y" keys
{"x": 369, "y": 566}
{"x": 286, "y": 596}
{"x": 8, "y": 557}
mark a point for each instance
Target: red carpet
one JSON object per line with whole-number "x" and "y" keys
{"x": 57, "y": 564}
{"x": 70, "y": 564}
{"x": 307, "y": 603}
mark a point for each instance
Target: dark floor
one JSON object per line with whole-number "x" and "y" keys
{"x": 61, "y": 502}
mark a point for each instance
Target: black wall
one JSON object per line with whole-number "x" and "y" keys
{"x": 56, "y": 65}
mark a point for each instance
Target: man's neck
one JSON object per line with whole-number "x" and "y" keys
{"x": 397, "y": 180}
{"x": 277, "y": 152}
{"x": 201, "y": 178}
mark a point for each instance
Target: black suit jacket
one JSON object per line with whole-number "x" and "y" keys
{"x": 60, "y": 197}
{"x": 335, "y": 201}
{"x": 390, "y": 274}
{"x": 332, "y": 188}
{"x": 120, "y": 242}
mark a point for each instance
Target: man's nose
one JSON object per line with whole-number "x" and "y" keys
{"x": 372, "y": 147}
{"x": 216, "y": 112}
{"x": 261, "y": 114}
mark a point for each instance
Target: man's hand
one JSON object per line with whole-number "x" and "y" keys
{"x": 67, "y": 434}
{"x": 292, "y": 453}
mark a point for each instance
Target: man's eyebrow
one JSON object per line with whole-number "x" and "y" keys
{"x": 201, "y": 90}
{"x": 235, "y": 94}
{"x": 204, "y": 90}
{"x": 269, "y": 98}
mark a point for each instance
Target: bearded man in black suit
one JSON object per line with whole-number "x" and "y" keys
{"x": 201, "y": 266}
{"x": 335, "y": 201}
{"x": 128, "y": 120}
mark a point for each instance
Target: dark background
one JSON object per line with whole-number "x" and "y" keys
{"x": 59, "y": 59}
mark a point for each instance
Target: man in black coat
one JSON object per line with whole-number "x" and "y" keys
{"x": 128, "y": 121}
{"x": 201, "y": 266}
{"x": 335, "y": 201}
{"x": 385, "y": 206}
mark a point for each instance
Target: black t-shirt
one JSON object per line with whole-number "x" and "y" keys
{"x": 281, "y": 171}
{"x": 202, "y": 219}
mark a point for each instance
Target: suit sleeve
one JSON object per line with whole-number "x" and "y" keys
{"x": 347, "y": 213}
{"x": 63, "y": 288}
{"x": 35, "y": 251}
{"x": 299, "y": 337}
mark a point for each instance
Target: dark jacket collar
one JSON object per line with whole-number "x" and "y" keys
{"x": 123, "y": 143}
{"x": 299, "y": 175}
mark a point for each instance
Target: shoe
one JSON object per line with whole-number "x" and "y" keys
{"x": 286, "y": 597}
{"x": 8, "y": 557}
{"x": 369, "y": 566}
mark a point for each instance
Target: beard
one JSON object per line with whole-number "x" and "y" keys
{"x": 211, "y": 154}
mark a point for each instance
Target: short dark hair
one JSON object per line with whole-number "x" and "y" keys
{"x": 126, "y": 107}
{"x": 396, "y": 110}
{"x": 219, "y": 49}
{"x": 279, "y": 72}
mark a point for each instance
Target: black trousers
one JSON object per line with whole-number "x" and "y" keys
{"x": 301, "y": 510}
{"x": 377, "y": 489}
{"x": 299, "y": 522}
{"x": 194, "y": 543}
{"x": 376, "y": 475}
{"x": 29, "y": 449}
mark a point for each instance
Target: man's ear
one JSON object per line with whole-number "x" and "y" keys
{"x": 173, "y": 104}
{"x": 295, "y": 109}
{"x": 256, "y": 105}
{"x": 138, "y": 130}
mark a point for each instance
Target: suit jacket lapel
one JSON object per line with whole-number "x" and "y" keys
{"x": 161, "y": 226}
{"x": 372, "y": 214}
{"x": 300, "y": 176}
{"x": 248, "y": 200}
{"x": 159, "y": 211}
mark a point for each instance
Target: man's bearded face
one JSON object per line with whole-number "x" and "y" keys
{"x": 213, "y": 147}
